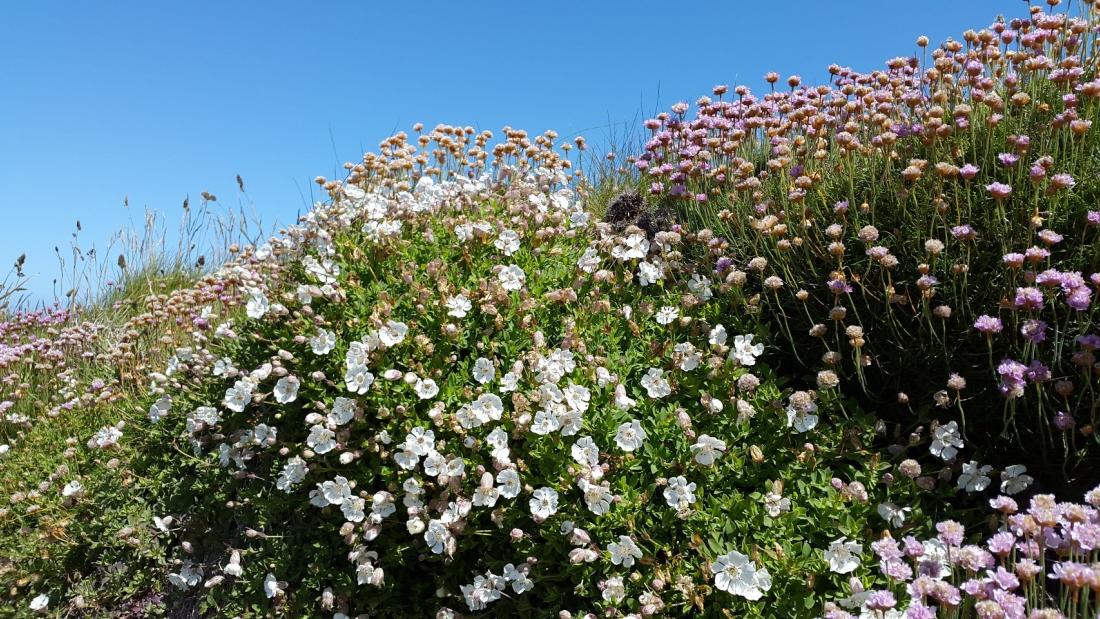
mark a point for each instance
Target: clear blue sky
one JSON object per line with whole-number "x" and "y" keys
{"x": 157, "y": 101}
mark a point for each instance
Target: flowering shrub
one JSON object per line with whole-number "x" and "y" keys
{"x": 938, "y": 214}
{"x": 457, "y": 392}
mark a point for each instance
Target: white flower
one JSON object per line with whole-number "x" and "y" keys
{"x": 802, "y": 420}
{"x": 655, "y": 384}
{"x": 484, "y": 370}
{"x": 585, "y": 451}
{"x": 238, "y": 396}
{"x": 544, "y": 503}
{"x": 323, "y": 342}
{"x": 486, "y": 494}
{"x": 321, "y": 440}
{"x": 420, "y": 441}
{"x": 624, "y": 551}
{"x": 843, "y": 556}
{"x": 667, "y": 314}
{"x": 623, "y": 401}
{"x": 509, "y": 483}
{"x": 507, "y": 242}
{"x": 512, "y": 277}
{"x": 271, "y": 586}
{"x": 590, "y": 261}
{"x": 509, "y": 382}
{"x": 630, "y": 435}
{"x": 257, "y": 304}
{"x": 40, "y": 602}
{"x": 690, "y": 358}
{"x": 233, "y": 566}
{"x": 354, "y": 509}
{"x": 893, "y": 514}
{"x": 648, "y": 273}
{"x": 358, "y": 379}
{"x": 393, "y": 333}
{"x": 946, "y": 441}
{"x": 160, "y": 408}
{"x": 679, "y": 494}
{"x": 343, "y": 410}
{"x": 188, "y": 576}
{"x": 426, "y": 388}
{"x": 1013, "y": 479}
{"x": 73, "y": 488}
{"x": 974, "y": 478}
{"x": 294, "y": 471}
{"x": 597, "y": 497}
{"x": 382, "y": 505}
{"x": 405, "y": 457}
{"x": 336, "y": 491}
{"x": 775, "y": 504}
{"x": 545, "y": 422}
{"x": 458, "y": 306}
{"x": 717, "y": 336}
{"x": 734, "y": 573}
{"x": 707, "y": 449}
{"x": 744, "y": 351}
{"x": 286, "y": 390}
{"x": 105, "y": 438}
{"x": 614, "y": 591}
{"x": 436, "y": 536}
{"x": 632, "y": 247}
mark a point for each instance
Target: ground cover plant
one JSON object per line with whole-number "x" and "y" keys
{"x": 784, "y": 365}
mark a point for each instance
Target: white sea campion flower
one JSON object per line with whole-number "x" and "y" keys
{"x": 335, "y": 490}
{"x": 623, "y": 401}
{"x": 233, "y": 566}
{"x": 405, "y": 457}
{"x": 359, "y": 379}
{"x": 294, "y": 471}
{"x": 393, "y": 333}
{"x": 484, "y": 371}
{"x": 286, "y": 390}
{"x": 40, "y": 602}
{"x": 633, "y": 247}
{"x": 597, "y": 497}
{"x": 105, "y": 438}
{"x": 1014, "y": 480}
{"x": 188, "y": 576}
{"x": 624, "y": 551}
{"x": 630, "y": 435}
{"x": 512, "y": 277}
{"x": 655, "y": 384}
{"x": 744, "y": 351}
{"x": 648, "y": 273}
{"x": 614, "y": 590}
{"x": 585, "y": 451}
{"x": 507, "y": 242}
{"x": 343, "y": 410}
{"x": 73, "y": 489}
{"x": 354, "y": 509}
{"x": 545, "y": 423}
{"x": 679, "y": 494}
{"x": 802, "y": 419}
{"x": 843, "y": 556}
{"x": 160, "y": 408}
{"x": 509, "y": 483}
{"x": 708, "y": 449}
{"x": 544, "y": 503}
{"x": 589, "y": 261}
{"x": 667, "y": 314}
{"x": 321, "y": 440}
{"x": 272, "y": 587}
{"x": 946, "y": 441}
{"x": 893, "y": 514}
{"x": 238, "y": 396}
{"x": 509, "y": 382}
{"x": 436, "y": 536}
{"x": 717, "y": 336}
{"x": 323, "y": 342}
{"x": 735, "y": 574}
{"x": 257, "y": 304}
{"x": 776, "y": 504}
{"x": 974, "y": 478}
{"x": 458, "y": 306}
{"x": 426, "y": 388}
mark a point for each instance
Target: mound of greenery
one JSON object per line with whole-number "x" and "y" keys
{"x": 474, "y": 396}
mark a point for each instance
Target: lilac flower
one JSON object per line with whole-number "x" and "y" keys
{"x": 1035, "y": 331}
{"x": 988, "y": 324}
{"x": 1062, "y": 181}
{"x": 999, "y": 191}
{"x": 1012, "y": 378}
{"x": 1013, "y": 260}
{"x": 950, "y": 532}
{"x": 1029, "y": 298}
{"x": 1093, "y": 218}
{"x": 1007, "y": 159}
{"x": 1050, "y": 237}
{"x": 968, "y": 171}
{"x": 1037, "y": 372}
{"x": 964, "y": 233}
{"x": 881, "y": 600}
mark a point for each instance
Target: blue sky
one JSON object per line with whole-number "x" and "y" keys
{"x": 156, "y": 101}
